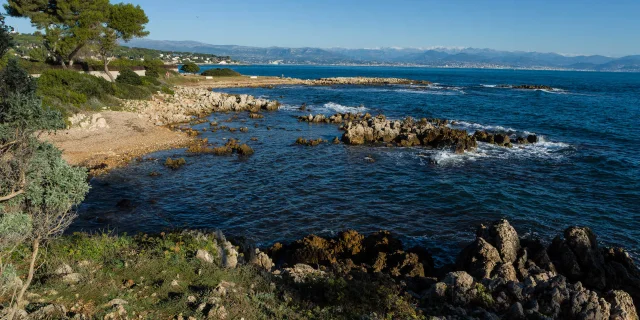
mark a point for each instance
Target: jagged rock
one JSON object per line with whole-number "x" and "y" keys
{"x": 229, "y": 255}
{"x": 585, "y": 304}
{"x": 622, "y": 306}
{"x": 459, "y": 287}
{"x": 505, "y": 271}
{"x": 262, "y": 260}
{"x": 204, "y": 256}
{"x": 479, "y": 258}
{"x": 505, "y": 239}
{"x": 300, "y": 273}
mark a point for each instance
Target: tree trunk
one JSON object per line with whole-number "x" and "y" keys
{"x": 106, "y": 69}
{"x": 25, "y": 286}
{"x": 75, "y": 51}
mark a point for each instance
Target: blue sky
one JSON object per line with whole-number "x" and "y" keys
{"x": 563, "y": 26}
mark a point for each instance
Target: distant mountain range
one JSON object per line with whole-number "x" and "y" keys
{"x": 435, "y": 57}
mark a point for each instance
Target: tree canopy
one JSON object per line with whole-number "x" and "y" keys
{"x": 70, "y": 25}
{"x": 190, "y": 67}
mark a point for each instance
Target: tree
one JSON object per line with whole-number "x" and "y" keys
{"x": 38, "y": 188}
{"x": 69, "y": 25}
{"x": 190, "y": 67}
{"x": 124, "y": 22}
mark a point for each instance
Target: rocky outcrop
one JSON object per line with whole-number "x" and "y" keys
{"x": 579, "y": 257}
{"x": 188, "y": 103}
{"x": 503, "y": 139}
{"x": 379, "y": 252}
{"x": 406, "y": 133}
{"x": 532, "y": 87}
{"x": 498, "y": 276}
{"x": 310, "y": 142}
{"x": 363, "y": 81}
{"x": 365, "y": 128}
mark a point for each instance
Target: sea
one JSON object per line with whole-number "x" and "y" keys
{"x": 585, "y": 169}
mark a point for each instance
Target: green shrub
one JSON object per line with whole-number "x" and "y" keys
{"x": 127, "y": 91}
{"x": 152, "y": 73}
{"x": 167, "y": 90}
{"x": 128, "y": 76}
{"x": 217, "y": 72}
{"x": 154, "y": 68}
{"x": 148, "y": 81}
{"x": 190, "y": 67}
{"x": 68, "y": 87}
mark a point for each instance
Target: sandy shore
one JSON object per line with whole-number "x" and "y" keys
{"x": 125, "y": 137}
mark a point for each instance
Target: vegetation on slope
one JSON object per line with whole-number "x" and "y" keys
{"x": 160, "y": 277}
{"x": 218, "y": 72}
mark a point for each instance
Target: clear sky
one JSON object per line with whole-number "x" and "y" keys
{"x": 565, "y": 26}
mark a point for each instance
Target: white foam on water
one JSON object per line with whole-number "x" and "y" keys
{"x": 489, "y": 85}
{"x": 471, "y": 127}
{"x": 447, "y": 158}
{"x": 332, "y": 107}
{"x": 452, "y": 92}
{"x": 554, "y": 91}
{"x": 288, "y": 107}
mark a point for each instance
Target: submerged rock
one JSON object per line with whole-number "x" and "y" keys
{"x": 175, "y": 163}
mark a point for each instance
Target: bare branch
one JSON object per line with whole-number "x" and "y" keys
{"x": 11, "y": 195}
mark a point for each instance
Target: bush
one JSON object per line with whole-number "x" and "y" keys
{"x": 131, "y": 92}
{"x": 148, "y": 81}
{"x": 167, "y": 90}
{"x": 217, "y": 72}
{"x": 128, "y": 76}
{"x": 62, "y": 88}
{"x": 190, "y": 67}
{"x": 154, "y": 68}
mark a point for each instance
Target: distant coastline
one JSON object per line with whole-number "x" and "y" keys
{"x": 419, "y": 66}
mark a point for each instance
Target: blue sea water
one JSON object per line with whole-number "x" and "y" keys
{"x": 585, "y": 171}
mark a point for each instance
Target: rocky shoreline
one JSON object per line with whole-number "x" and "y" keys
{"x": 500, "y": 275}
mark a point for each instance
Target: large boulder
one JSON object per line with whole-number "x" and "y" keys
{"x": 479, "y": 259}
{"x": 622, "y": 306}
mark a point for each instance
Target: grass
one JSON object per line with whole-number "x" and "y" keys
{"x": 160, "y": 278}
